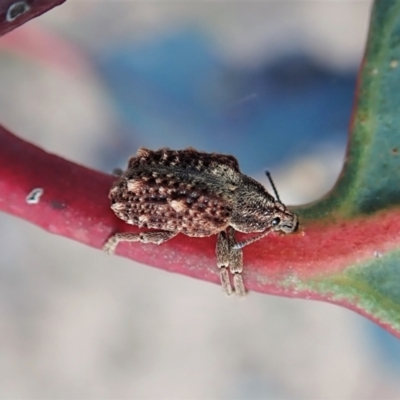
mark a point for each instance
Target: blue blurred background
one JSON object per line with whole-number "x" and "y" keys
{"x": 269, "y": 82}
{"x": 176, "y": 91}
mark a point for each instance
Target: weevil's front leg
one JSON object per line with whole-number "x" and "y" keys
{"x": 223, "y": 256}
{"x": 228, "y": 256}
{"x": 156, "y": 237}
{"x": 240, "y": 245}
{"x": 236, "y": 264}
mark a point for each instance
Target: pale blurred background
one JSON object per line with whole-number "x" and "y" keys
{"x": 269, "y": 82}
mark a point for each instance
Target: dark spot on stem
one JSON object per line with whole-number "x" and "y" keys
{"x": 57, "y": 205}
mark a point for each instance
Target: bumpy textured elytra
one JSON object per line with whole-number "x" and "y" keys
{"x": 198, "y": 194}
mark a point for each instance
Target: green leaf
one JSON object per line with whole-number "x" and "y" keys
{"x": 370, "y": 178}
{"x": 368, "y": 190}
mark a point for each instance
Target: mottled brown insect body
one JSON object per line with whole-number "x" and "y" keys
{"x": 198, "y": 194}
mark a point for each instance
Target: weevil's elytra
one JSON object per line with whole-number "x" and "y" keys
{"x": 198, "y": 194}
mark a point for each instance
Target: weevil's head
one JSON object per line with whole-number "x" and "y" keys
{"x": 283, "y": 220}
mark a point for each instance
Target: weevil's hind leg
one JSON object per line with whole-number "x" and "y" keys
{"x": 222, "y": 251}
{"x": 156, "y": 237}
{"x": 112, "y": 243}
{"x": 236, "y": 264}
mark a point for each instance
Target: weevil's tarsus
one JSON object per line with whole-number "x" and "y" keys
{"x": 238, "y": 284}
{"x": 225, "y": 281}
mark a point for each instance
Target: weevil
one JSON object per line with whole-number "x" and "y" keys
{"x": 198, "y": 194}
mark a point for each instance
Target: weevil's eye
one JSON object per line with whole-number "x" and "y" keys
{"x": 276, "y": 221}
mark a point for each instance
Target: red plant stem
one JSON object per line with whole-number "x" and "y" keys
{"x": 36, "y": 8}
{"x": 75, "y": 204}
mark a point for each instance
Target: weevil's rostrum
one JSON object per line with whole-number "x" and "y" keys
{"x": 198, "y": 194}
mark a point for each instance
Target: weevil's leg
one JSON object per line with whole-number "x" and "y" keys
{"x": 240, "y": 245}
{"x": 236, "y": 264}
{"x": 225, "y": 282}
{"x": 156, "y": 237}
{"x": 239, "y": 285}
{"x": 112, "y": 243}
{"x": 222, "y": 252}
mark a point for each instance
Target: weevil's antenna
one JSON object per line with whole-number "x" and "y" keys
{"x": 273, "y": 185}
